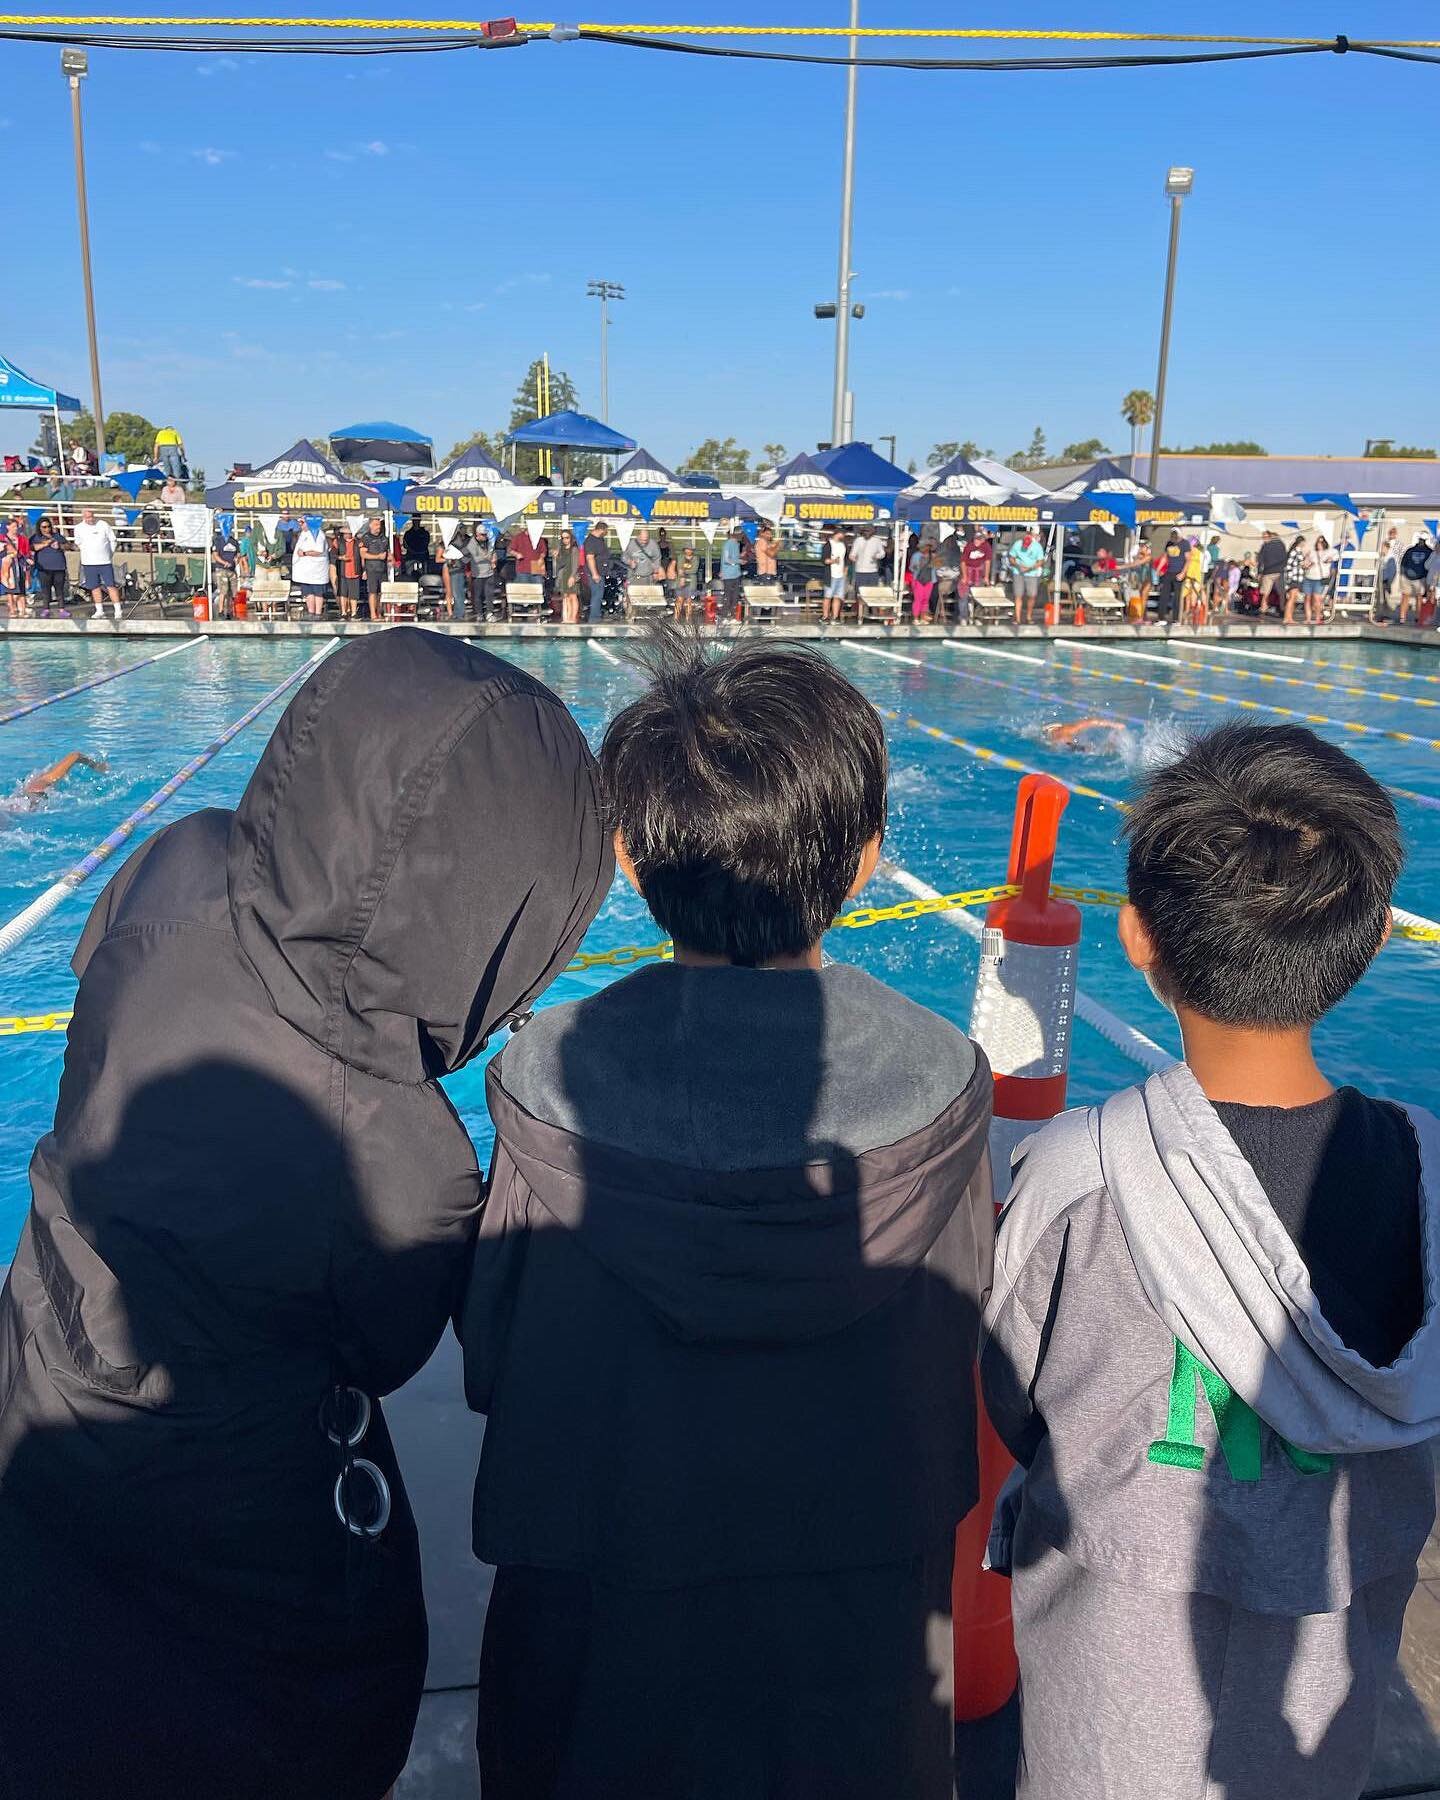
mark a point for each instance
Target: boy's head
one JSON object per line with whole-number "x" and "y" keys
{"x": 1260, "y": 871}
{"x": 747, "y": 792}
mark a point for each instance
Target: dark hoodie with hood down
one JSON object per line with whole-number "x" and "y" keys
{"x": 723, "y": 1322}
{"x": 251, "y": 1219}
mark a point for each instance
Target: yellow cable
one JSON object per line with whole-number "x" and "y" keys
{"x": 1003, "y": 34}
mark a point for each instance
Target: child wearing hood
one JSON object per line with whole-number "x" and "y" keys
{"x": 1212, "y": 1344}
{"x": 253, "y": 1219}
{"x": 726, "y": 1296}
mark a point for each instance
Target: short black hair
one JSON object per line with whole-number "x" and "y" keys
{"x": 745, "y": 787}
{"x": 1262, "y": 862}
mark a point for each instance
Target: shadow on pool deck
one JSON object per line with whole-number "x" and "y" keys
{"x": 438, "y": 1441}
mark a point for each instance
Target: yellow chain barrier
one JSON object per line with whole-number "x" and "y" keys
{"x": 859, "y": 918}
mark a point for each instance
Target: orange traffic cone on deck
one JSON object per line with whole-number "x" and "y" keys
{"x": 1023, "y": 1010}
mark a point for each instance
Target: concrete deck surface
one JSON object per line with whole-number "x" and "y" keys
{"x": 438, "y": 1440}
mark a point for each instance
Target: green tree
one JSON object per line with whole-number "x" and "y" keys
{"x": 726, "y": 461}
{"x": 491, "y": 442}
{"x": 1384, "y": 447}
{"x": 942, "y": 453}
{"x": 525, "y": 409}
{"x": 127, "y": 434}
{"x": 1035, "y": 456}
{"x": 1137, "y": 409}
{"x": 1085, "y": 451}
{"x": 1240, "y": 447}
{"x": 774, "y": 454}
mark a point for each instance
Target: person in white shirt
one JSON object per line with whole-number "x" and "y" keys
{"x": 866, "y": 555}
{"x": 310, "y": 568}
{"x": 95, "y": 540}
{"x": 835, "y": 557}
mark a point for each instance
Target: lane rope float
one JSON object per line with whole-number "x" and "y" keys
{"x": 26, "y": 920}
{"x": 20, "y": 712}
{"x": 1227, "y": 673}
{"x": 1005, "y": 687}
{"x": 1304, "y": 660}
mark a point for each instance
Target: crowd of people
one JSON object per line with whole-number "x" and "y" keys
{"x": 724, "y": 1327}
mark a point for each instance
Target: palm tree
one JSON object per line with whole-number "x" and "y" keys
{"x": 1137, "y": 409}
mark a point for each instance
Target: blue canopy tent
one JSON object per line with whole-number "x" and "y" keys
{"x": 462, "y": 489}
{"x": 570, "y": 430}
{"x": 1105, "y": 494}
{"x": 382, "y": 441}
{"x": 857, "y": 468}
{"x": 301, "y": 481}
{"x": 20, "y": 392}
{"x": 960, "y": 493}
{"x": 814, "y": 497}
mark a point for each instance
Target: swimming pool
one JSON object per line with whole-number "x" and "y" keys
{"x": 949, "y": 821}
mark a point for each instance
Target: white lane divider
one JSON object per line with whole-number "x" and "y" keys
{"x": 600, "y": 649}
{"x": 1127, "y": 1039}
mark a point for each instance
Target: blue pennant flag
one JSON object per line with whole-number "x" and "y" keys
{"x": 1432, "y": 526}
{"x": 392, "y": 492}
{"x": 1361, "y": 527}
{"x": 132, "y": 513}
{"x": 314, "y": 522}
{"x": 1121, "y": 505}
{"x": 580, "y": 527}
{"x": 34, "y": 514}
{"x": 751, "y": 528}
{"x": 643, "y": 500}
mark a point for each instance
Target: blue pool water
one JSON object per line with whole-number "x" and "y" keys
{"x": 949, "y": 823}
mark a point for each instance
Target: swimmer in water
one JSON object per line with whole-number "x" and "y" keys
{"x": 34, "y": 790}
{"x": 1083, "y": 734}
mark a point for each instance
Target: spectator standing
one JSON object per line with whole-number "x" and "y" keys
{"x": 730, "y": 564}
{"x": 1192, "y": 589}
{"x": 50, "y": 565}
{"x": 1414, "y": 565}
{"x": 416, "y": 544}
{"x": 1319, "y": 570}
{"x": 455, "y": 564}
{"x": 643, "y": 563}
{"x": 767, "y": 559}
{"x": 1270, "y": 566}
{"x": 1026, "y": 558}
{"x": 173, "y": 492}
{"x": 1296, "y": 559}
{"x": 21, "y": 545}
{"x": 268, "y": 559}
{"x": 1390, "y": 565}
{"x": 685, "y": 581}
{"x": 374, "y": 563}
{"x": 1170, "y": 572}
{"x": 866, "y": 555}
{"x": 565, "y": 574}
{"x": 289, "y": 531}
{"x": 224, "y": 563}
{"x": 835, "y": 558}
{"x": 346, "y": 554}
{"x": 11, "y": 588}
{"x": 482, "y": 571}
{"x": 1432, "y": 578}
{"x": 310, "y": 568}
{"x": 975, "y": 562}
{"x": 922, "y": 580}
{"x": 170, "y": 452}
{"x": 597, "y": 567}
{"x": 95, "y": 540}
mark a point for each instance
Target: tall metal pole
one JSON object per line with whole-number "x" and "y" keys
{"x": 75, "y": 66}
{"x": 1175, "y": 203}
{"x": 604, "y": 359}
{"x": 847, "y": 208}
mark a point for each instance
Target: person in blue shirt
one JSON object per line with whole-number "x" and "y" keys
{"x": 1027, "y": 558}
{"x": 730, "y": 571}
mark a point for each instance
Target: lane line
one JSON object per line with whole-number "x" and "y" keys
{"x": 609, "y": 655}
{"x": 1305, "y": 660}
{"x": 1005, "y": 687}
{"x": 1229, "y": 674}
{"x": 20, "y": 712}
{"x": 1127, "y": 1038}
{"x": 26, "y": 920}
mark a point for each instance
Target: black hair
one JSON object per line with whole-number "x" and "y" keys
{"x": 745, "y": 787}
{"x": 1262, "y": 863}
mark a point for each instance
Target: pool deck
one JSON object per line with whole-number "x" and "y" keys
{"x": 1230, "y": 630}
{"x": 438, "y": 1441}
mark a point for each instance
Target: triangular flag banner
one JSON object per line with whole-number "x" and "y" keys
{"x": 770, "y": 506}
{"x": 131, "y": 481}
{"x": 624, "y": 531}
{"x": 34, "y": 514}
{"x": 356, "y": 522}
{"x": 448, "y": 528}
{"x": 1361, "y": 527}
{"x": 947, "y": 530}
{"x": 132, "y": 513}
{"x": 227, "y": 523}
{"x": 751, "y": 528}
{"x": 315, "y": 522}
{"x": 509, "y": 499}
{"x": 271, "y": 524}
{"x": 643, "y": 500}
{"x": 1432, "y": 526}
{"x": 580, "y": 527}
{"x": 536, "y": 530}
{"x": 710, "y": 527}
{"x": 392, "y": 492}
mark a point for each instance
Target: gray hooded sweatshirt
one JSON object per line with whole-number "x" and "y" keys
{"x": 1205, "y": 1463}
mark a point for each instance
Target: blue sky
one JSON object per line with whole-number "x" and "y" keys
{"x": 284, "y": 245}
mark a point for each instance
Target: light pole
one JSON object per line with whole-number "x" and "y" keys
{"x": 838, "y": 409}
{"x": 605, "y": 292}
{"x": 1178, "y": 183}
{"x": 75, "y": 66}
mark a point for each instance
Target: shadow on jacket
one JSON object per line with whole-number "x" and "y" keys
{"x": 723, "y": 1322}
{"x": 252, "y": 1219}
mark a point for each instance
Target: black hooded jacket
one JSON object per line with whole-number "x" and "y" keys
{"x": 255, "y": 1197}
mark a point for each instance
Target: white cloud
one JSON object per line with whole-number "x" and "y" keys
{"x": 891, "y": 294}
{"x": 149, "y": 147}
{"x": 212, "y": 158}
{"x": 338, "y": 156}
{"x": 222, "y": 65}
{"x": 376, "y": 147}
{"x": 518, "y": 281}
{"x": 323, "y": 285}
{"x": 258, "y": 281}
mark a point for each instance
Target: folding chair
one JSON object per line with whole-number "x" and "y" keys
{"x": 399, "y": 601}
